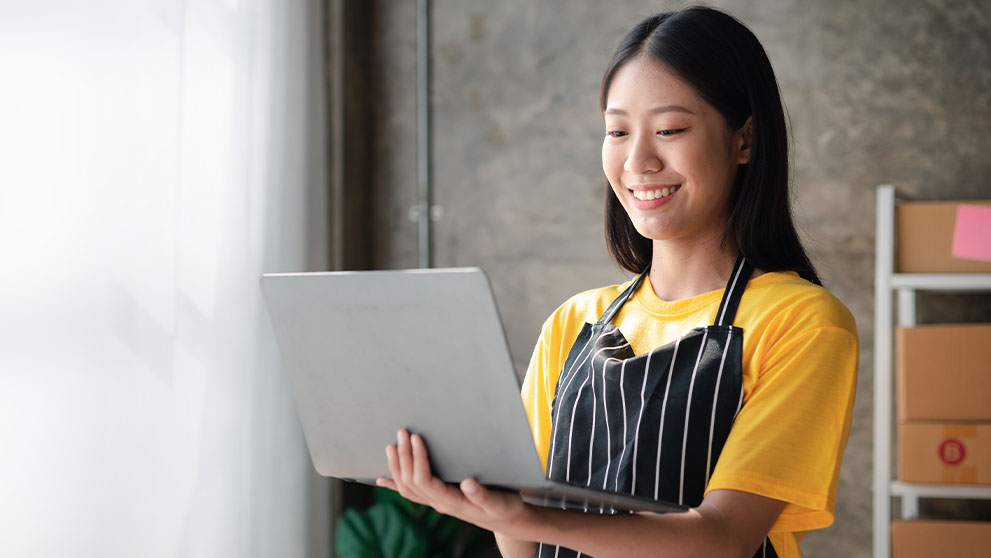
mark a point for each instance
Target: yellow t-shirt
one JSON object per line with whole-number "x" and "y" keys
{"x": 799, "y": 380}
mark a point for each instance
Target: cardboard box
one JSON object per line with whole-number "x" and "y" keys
{"x": 927, "y": 538}
{"x": 943, "y": 452}
{"x": 924, "y": 239}
{"x": 944, "y": 372}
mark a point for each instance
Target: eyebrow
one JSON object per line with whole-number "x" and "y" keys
{"x": 656, "y": 110}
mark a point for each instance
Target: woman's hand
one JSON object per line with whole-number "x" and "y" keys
{"x": 728, "y": 523}
{"x": 503, "y": 512}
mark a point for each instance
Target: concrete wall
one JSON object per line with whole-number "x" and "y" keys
{"x": 877, "y": 91}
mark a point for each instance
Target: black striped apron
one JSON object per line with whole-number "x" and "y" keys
{"x": 654, "y": 424}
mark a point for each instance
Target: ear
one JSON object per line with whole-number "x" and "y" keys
{"x": 744, "y": 138}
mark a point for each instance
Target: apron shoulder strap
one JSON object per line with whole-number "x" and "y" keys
{"x": 610, "y": 312}
{"x": 737, "y": 282}
{"x": 734, "y": 291}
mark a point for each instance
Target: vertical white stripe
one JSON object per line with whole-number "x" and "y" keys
{"x": 579, "y": 362}
{"x": 571, "y": 426}
{"x": 688, "y": 408}
{"x": 739, "y": 403}
{"x": 605, "y": 408}
{"x": 636, "y": 433}
{"x": 571, "y": 374}
{"x": 729, "y": 291}
{"x": 660, "y": 427}
{"x": 622, "y": 397}
{"x": 557, "y": 414}
{"x": 571, "y": 422}
{"x": 715, "y": 399}
{"x": 595, "y": 411}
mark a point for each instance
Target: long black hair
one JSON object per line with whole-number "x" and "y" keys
{"x": 726, "y": 64}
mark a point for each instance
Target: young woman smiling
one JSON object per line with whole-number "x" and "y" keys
{"x": 723, "y": 376}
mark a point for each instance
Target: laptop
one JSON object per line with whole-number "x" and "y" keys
{"x": 370, "y": 352}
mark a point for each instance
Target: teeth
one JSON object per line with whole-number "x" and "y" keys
{"x": 647, "y": 195}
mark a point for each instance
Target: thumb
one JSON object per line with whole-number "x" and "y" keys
{"x": 476, "y": 493}
{"x": 495, "y": 503}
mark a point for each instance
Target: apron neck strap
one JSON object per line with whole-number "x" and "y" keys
{"x": 742, "y": 271}
{"x": 610, "y": 312}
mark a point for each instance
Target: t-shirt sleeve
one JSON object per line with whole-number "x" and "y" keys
{"x": 787, "y": 441}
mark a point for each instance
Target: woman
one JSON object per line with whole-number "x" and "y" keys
{"x": 723, "y": 376}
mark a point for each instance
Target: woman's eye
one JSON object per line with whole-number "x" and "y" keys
{"x": 616, "y": 133}
{"x": 671, "y": 132}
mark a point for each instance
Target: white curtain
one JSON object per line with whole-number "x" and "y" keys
{"x": 156, "y": 156}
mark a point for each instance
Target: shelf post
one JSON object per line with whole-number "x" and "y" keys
{"x": 910, "y": 506}
{"x": 906, "y": 307}
{"x": 883, "y": 269}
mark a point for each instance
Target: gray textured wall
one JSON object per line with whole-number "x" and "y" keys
{"x": 877, "y": 91}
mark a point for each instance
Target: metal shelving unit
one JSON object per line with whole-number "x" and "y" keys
{"x": 887, "y": 286}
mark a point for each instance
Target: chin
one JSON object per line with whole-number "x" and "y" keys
{"x": 652, "y": 231}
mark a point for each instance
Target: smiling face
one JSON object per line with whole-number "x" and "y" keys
{"x": 669, "y": 156}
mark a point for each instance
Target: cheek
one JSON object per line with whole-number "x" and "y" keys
{"x": 709, "y": 160}
{"x": 695, "y": 163}
{"x": 612, "y": 162}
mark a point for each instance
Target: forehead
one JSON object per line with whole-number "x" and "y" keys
{"x": 644, "y": 82}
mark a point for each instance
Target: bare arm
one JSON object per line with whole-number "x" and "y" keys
{"x": 728, "y": 522}
{"x": 515, "y": 548}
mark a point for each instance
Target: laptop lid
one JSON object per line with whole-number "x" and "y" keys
{"x": 370, "y": 352}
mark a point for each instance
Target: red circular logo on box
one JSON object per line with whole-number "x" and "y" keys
{"x": 952, "y": 451}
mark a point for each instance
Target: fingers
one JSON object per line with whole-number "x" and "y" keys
{"x": 473, "y": 490}
{"x": 400, "y": 466}
{"x": 495, "y": 504}
{"x": 405, "y": 457}
{"x": 421, "y": 463}
{"x": 392, "y": 455}
{"x": 386, "y": 483}
{"x": 412, "y": 477}
{"x": 442, "y": 496}
{"x": 476, "y": 493}
{"x": 409, "y": 465}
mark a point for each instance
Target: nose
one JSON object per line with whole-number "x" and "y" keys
{"x": 643, "y": 156}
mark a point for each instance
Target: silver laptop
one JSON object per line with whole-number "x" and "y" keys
{"x": 370, "y": 352}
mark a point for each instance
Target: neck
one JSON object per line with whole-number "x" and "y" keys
{"x": 681, "y": 270}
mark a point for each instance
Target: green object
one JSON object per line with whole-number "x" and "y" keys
{"x": 394, "y": 527}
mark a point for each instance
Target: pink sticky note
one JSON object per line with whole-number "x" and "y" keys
{"x": 972, "y": 233}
